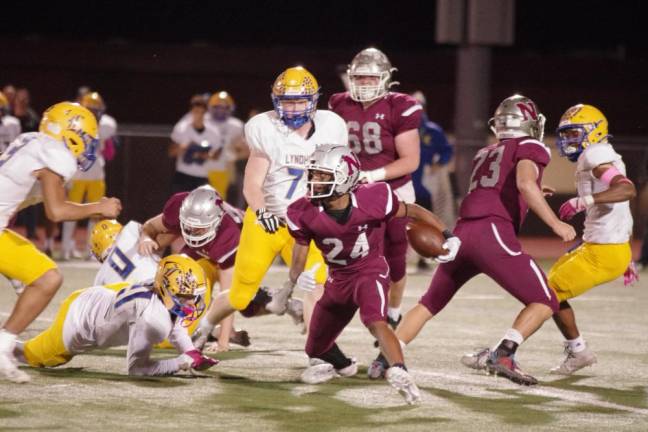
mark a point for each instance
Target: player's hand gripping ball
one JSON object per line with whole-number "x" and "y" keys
{"x": 425, "y": 239}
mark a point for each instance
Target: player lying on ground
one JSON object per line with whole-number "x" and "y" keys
{"x": 35, "y": 168}
{"x": 347, "y": 224}
{"x": 603, "y": 193}
{"x": 137, "y": 315}
{"x": 504, "y": 184}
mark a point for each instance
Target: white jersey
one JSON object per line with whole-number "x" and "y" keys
{"x": 134, "y": 316}
{"x": 9, "y": 131}
{"x": 193, "y": 162}
{"x": 27, "y": 153}
{"x": 124, "y": 263}
{"x": 288, "y": 153}
{"x": 107, "y": 130}
{"x": 604, "y": 223}
{"x": 230, "y": 131}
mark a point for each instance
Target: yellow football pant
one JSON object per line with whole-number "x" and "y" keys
{"x": 21, "y": 260}
{"x": 257, "y": 250}
{"x": 587, "y": 266}
{"x": 92, "y": 190}
{"x": 47, "y": 349}
{"x": 212, "y": 276}
{"x": 219, "y": 180}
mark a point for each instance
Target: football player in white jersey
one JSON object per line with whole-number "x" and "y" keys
{"x": 115, "y": 247}
{"x": 280, "y": 142}
{"x": 220, "y": 167}
{"x": 90, "y": 186}
{"x": 9, "y": 125}
{"x": 35, "y": 168}
{"x": 195, "y": 142}
{"x": 604, "y": 192}
{"x": 136, "y": 315}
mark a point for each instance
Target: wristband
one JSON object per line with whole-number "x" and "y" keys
{"x": 377, "y": 174}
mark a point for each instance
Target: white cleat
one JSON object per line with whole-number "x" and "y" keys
{"x": 574, "y": 361}
{"x": 402, "y": 381}
{"x": 318, "y": 372}
{"x": 10, "y": 371}
{"x": 476, "y": 360}
{"x": 350, "y": 370}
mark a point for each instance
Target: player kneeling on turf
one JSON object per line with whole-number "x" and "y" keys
{"x": 138, "y": 315}
{"x": 347, "y": 223}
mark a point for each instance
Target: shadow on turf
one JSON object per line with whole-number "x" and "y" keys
{"x": 635, "y": 397}
{"x": 318, "y": 410}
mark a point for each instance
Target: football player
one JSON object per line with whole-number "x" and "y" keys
{"x": 604, "y": 192}
{"x": 137, "y": 315}
{"x": 384, "y": 133}
{"x": 280, "y": 142}
{"x": 90, "y": 186}
{"x": 347, "y": 224}
{"x": 221, "y": 107}
{"x": 504, "y": 184}
{"x": 34, "y": 168}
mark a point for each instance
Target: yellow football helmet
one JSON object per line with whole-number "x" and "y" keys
{"x": 295, "y": 83}
{"x": 76, "y": 126}
{"x": 221, "y": 105}
{"x": 95, "y": 103}
{"x": 181, "y": 285}
{"x": 579, "y": 127}
{"x": 103, "y": 237}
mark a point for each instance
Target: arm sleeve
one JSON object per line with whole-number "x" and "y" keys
{"x": 140, "y": 344}
{"x": 171, "y": 212}
{"x": 180, "y": 339}
{"x": 407, "y": 114}
{"x": 533, "y": 150}
{"x": 299, "y": 232}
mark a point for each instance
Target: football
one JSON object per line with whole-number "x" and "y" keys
{"x": 425, "y": 239}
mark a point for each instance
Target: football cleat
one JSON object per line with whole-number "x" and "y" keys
{"x": 507, "y": 367}
{"x": 402, "y": 381}
{"x": 10, "y": 371}
{"x": 574, "y": 361}
{"x": 476, "y": 360}
{"x": 378, "y": 367}
{"x": 318, "y": 372}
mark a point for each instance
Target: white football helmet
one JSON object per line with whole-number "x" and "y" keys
{"x": 341, "y": 163}
{"x": 201, "y": 213}
{"x": 517, "y": 116}
{"x": 370, "y": 62}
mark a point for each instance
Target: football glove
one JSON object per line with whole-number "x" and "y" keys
{"x": 572, "y": 207}
{"x": 195, "y": 360}
{"x": 452, "y": 244}
{"x": 268, "y": 221}
{"x": 306, "y": 280}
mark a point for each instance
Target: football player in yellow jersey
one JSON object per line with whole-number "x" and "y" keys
{"x": 35, "y": 168}
{"x": 280, "y": 142}
{"x": 604, "y": 192}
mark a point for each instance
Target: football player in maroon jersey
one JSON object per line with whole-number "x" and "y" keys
{"x": 347, "y": 224}
{"x": 384, "y": 134}
{"x": 504, "y": 184}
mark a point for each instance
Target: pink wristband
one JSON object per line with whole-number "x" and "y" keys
{"x": 609, "y": 174}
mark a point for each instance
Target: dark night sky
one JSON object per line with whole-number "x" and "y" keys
{"x": 540, "y": 25}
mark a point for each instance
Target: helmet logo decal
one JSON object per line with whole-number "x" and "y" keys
{"x": 351, "y": 163}
{"x": 528, "y": 110}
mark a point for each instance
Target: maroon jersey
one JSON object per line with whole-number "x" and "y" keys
{"x": 355, "y": 244}
{"x": 372, "y": 130}
{"x": 221, "y": 250}
{"x": 493, "y": 188}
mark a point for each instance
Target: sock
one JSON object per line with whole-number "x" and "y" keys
{"x": 394, "y": 313}
{"x": 7, "y": 341}
{"x": 509, "y": 343}
{"x": 336, "y": 357}
{"x": 67, "y": 240}
{"x": 576, "y": 345}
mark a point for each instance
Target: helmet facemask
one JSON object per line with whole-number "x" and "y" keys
{"x": 342, "y": 167}
{"x": 200, "y": 215}
{"x": 368, "y": 92}
{"x": 180, "y": 284}
{"x": 197, "y": 234}
{"x": 370, "y": 62}
{"x": 298, "y": 118}
{"x": 571, "y": 141}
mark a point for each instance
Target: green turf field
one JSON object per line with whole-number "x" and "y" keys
{"x": 257, "y": 389}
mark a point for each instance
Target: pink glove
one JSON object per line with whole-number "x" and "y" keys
{"x": 630, "y": 276}
{"x": 572, "y": 207}
{"x": 197, "y": 361}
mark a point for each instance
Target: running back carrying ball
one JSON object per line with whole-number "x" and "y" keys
{"x": 425, "y": 239}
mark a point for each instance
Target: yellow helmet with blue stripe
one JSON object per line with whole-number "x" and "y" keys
{"x": 295, "y": 84}
{"x": 580, "y": 126}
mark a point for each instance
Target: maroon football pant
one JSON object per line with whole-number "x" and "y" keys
{"x": 343, "y": 296}
{"x": 489, "y": 246}
{"x": 396, "y": 247}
